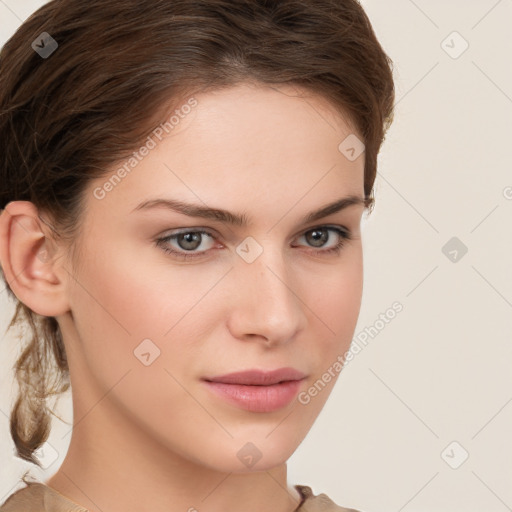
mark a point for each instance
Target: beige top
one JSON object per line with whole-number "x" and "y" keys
{"x": 38, "y": 497}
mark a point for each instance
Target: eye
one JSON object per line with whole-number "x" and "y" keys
{"x": 319, "y": 235}
{"x": 187, "y": 241}
{"x": 190, "y": 240}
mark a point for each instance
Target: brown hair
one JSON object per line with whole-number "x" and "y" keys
{"x": 65, "y": 118}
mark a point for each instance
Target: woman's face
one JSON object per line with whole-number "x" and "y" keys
{"x": 147, "y": 326}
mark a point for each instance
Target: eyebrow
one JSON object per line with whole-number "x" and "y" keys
{"x": 241, "y": 219}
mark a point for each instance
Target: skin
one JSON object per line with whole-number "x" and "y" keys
{"x": 154, "y": 437}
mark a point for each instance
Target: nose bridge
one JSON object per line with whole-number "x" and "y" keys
{"x": 267, "y": 303}
{"x": 270, "y": 277}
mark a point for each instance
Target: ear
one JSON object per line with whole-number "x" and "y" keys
{"x": 29, "y": 261}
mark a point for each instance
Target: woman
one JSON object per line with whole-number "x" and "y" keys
{"x": 182, "y": 186}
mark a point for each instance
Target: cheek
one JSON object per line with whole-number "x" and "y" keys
{"x": 336, "y": 297}
{"x": 335, "y": 304}
{"x": 118, "y": 301}
{"x": 137, "y": 296}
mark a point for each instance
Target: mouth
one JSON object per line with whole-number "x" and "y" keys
{"x": 257, "y": 377}
{"x": 256, "y": 390}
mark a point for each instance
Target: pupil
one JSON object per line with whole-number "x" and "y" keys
{"x": 189, "y": 239}
{"x": 323, "y": 236}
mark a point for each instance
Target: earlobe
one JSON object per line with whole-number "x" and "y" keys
{"x": 27, "y": 257}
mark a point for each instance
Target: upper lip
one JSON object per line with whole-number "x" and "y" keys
{"x": 259, "y": 377}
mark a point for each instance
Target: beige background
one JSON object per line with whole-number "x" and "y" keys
{"x": 440, "y": 371}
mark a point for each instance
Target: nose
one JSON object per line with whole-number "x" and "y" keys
{"x": 266, "y": 301}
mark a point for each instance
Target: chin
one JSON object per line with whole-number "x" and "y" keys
{"x": 247, "y": 456}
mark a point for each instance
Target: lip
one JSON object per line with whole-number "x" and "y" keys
{"x": 257, "y": 390}
{"x": 257, "y": 377}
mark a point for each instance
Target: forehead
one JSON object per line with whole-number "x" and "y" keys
{"x": 247, "y": 144}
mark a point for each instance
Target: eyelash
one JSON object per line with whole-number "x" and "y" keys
{"x": 345, "y": 235}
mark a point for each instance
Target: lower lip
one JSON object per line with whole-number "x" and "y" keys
{"x": 257, "y": 398}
